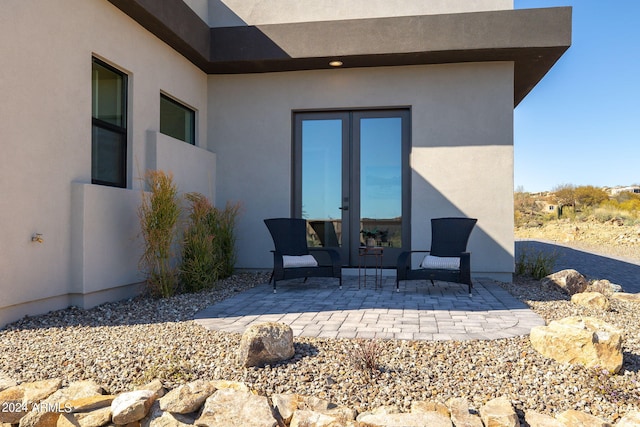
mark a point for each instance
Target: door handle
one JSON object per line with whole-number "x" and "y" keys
{"x": 344, "y": 208}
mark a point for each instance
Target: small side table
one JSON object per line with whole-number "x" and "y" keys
{"x": 376, "y": 253}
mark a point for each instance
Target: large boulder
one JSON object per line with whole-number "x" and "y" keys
{"x": 266, "y": 343}
{"x": 570, "y": 281}
{"x": 580, "y": 340}
{"x": 594, "y": 300}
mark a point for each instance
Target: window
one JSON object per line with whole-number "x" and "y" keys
{"x": 109, "y": 125}
{"x": 176, "y": 120}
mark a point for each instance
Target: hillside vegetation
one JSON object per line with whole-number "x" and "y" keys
{"x": 583, "y": 217}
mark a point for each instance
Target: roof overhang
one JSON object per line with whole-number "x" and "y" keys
{"x": 533, "y": 39}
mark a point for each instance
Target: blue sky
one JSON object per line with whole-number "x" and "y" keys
{"x": 581, "y": 124}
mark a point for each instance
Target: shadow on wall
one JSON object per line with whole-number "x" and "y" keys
{"x": 591, "y": 265}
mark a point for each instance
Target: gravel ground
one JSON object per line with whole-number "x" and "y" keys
{"x": 120, "y": 345}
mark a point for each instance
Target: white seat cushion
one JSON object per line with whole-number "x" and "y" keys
{"x": 291, "y": 261}
{"x": 442, "y": 263}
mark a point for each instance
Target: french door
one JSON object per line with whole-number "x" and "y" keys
{"x": 351, "y": 180}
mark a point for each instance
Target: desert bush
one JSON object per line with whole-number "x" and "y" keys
{"x": 536, "y": 264}
{"x": 588, "y": 195}
{"x": 223, "y": 228}
{"x": 200, "y": 266}
{"x": 366, "y": 356}
{"x": 209, "y": 252}
{"x": 158, "y": 213}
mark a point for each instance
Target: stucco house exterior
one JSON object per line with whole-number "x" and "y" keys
{"x": 363, "y": 113}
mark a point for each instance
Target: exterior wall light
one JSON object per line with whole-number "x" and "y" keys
{"x": 336, "y": 63}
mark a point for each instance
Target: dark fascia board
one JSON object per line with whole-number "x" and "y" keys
{"x": 173, "y": 22}
{"x": 534, "y": 39}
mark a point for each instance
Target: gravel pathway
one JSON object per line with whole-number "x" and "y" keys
{"x": 123, "y": 344}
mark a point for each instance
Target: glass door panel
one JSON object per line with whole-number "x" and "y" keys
{"x": 322, "y": 181}
{"x": 351, "y": 180}
{"x": 381, "y": 180}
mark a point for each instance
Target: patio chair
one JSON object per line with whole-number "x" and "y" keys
{"x": 447, "y": 260}
{"x": 292, "y": 257}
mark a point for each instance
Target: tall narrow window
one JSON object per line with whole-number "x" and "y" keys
{"x": 109, "y": 125}
{"x": 176, "y": 120}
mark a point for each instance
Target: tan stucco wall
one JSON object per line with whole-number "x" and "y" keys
{"x": 462, "y": 155}
{"x": 224, "y": 13}
{"x": 45, "y": 134}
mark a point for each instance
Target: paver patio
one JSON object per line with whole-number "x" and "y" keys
{"x": 420, "y": 311}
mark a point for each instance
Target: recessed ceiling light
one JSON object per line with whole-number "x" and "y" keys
{"x": 336, "y": 63}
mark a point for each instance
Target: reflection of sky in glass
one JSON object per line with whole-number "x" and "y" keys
{"x": 380, "y": 168}
{"x": 321, "y": 168}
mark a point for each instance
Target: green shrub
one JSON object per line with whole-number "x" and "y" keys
{"x": 209, "y": 244}
{"x": 158, "y": 214}
{"x": 536, "y": 264}
{"x": 200, "y": 266}
{"x": 223, "y": 224}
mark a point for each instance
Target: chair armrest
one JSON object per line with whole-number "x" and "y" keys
{"x": 404, "y": 264}
{"x": 333, "y": 254}
{"x": 404, "y": 259}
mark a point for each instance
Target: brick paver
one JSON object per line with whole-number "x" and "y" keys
{"x": 420, "y": 311}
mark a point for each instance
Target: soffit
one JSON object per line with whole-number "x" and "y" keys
{"x": 534, "y": 39}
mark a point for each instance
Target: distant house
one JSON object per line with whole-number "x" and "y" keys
{"x": 335, "y": 110}
{"x": 630, "y": 189}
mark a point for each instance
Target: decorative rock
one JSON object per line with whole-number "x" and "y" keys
{"x": 460, "y": 415}
{"x": 570, "y": 281}
{"x": 286, "y": 404}
{"x": 87, "y": 404}
{"x": 69, "y": 420}
{"x": 423, "y": 406}
{"x": 23, "y": 396}
{"x": 604, "y": 287}
{"x": 187, "y": 398}
{"x": 159, "y": 418}
{"x": 587, "y": 341}
{"x": 155, "y": 386}
{"x": 232, "y": 408}
{"x": 431, "y": 419}
{"x": 621, "y": 296}
{"x": 235, "y": 385}
{"x": 304, "y": 418}
{"x": 536, "y": 419}
{"x": 40, "y": 419}
{"x": 632, "y": 419}
{"x": 75, "y": 390}
{"x": 499, "y": 413}
{"x": 95, "y": 418}
{"x": 6, "y": 381}
{"x": 266, "y": 343}
{"x": 592, "y": 300}
{"x": 577, "y": 418}
{"x": 131, "y": 406}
